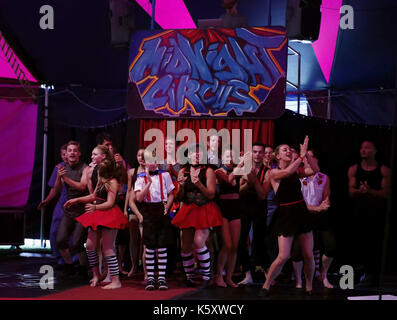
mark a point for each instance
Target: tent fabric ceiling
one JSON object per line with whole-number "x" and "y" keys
{"x": 365, "y": 57}
{"x": 77, "y": 51}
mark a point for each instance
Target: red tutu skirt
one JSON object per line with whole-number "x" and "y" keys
{"x": 198, "y": 217}
{"x": 112, "y": 218}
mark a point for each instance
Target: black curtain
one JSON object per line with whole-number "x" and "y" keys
{"x": 338, "y": 144}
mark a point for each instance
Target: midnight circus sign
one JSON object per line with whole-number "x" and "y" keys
{"x": 213, "y": 72}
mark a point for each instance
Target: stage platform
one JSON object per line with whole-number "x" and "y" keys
{"x": 20, "y": 279}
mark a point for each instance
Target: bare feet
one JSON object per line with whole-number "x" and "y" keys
{"x": 113, "y": 285}
{"x": 108, "y": 279}
{"x": 220, "y": 283}
{"x": 324, "y": 280}
{"x": 327, "y": 284}
{"x": 231, "y": 284}
{"x": 94, "y": 282}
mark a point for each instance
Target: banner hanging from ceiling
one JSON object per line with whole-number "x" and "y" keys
{"x": 215, "y": 73}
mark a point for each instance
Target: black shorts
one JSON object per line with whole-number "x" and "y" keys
{"x": 231, "y": 209}
{"x": 157, "y": 228}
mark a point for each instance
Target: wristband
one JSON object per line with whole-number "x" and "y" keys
{"x": 300, "y": 157}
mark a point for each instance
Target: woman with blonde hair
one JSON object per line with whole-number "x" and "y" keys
{"x": 103, "y": 214}
{"x": 292, "y": 219}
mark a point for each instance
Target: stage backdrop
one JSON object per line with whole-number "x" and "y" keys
{"x": 211, "y": 73}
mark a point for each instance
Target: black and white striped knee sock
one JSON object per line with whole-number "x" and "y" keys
{"x": 93, "y": 260}
{"x": 162, "y": 262}
{"x": 204, "y": 259}
{"x": 150, "y": 256}
{"x": 113, "y": 265}
{"x": 188, "y": 264}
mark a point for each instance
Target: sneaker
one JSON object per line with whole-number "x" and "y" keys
{"x": 150, "y": 284}
{"x": 246, "y": 281}
{"x": 162, "y": 284}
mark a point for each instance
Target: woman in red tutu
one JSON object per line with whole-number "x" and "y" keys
{"x": 198, "y": 213}
{"x": 103, "y": 214}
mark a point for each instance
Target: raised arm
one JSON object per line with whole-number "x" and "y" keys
{"x": 312, "y": 169}
{"x": 181, "y": 184}
{"x": 79, "y": 185}
{"x": 278, "y": 174}
{"x": 208, "y": 190}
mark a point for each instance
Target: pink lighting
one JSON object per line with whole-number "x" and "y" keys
{"x": 7, "y": 72}
{"x": 324, "y": 47}
{"x": 169, "y": 14}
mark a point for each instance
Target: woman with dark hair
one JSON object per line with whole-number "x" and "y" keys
{"x": 231, "y": 208}
{"x": 292, "y": 216}
{"x": 198, "y": 213}
{"x": 135, "y": 217}
{"x": 103, "y": 214}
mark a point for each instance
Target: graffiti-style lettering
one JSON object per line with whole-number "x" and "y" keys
{"x": 208, "y": 72}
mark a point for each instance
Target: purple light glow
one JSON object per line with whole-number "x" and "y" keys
{"x": 7, "y": 72}
{"x": 18, "y": 120}
{"x": 324, "y": 47}
{"x": 169, "y": 14}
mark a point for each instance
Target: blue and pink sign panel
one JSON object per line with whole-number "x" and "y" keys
{"x": 217, "y": 73}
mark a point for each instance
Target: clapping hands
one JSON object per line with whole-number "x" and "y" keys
{"x": 194, "y": 175}
{"x": 181, "y": 178}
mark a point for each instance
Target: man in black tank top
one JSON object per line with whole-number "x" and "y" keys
{"x": 369, "y": 183}
{"x": 71, "y": 176}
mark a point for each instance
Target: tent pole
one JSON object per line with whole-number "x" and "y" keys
{"x": 329, "y": 105}
{"x": 153, "y": 13}
{"x": 44, "y": 177}
{"x": 390, "y": 202}
{"x": 299, "y": 82}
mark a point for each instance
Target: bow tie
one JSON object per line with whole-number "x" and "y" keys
{"x": 154, "y": 173}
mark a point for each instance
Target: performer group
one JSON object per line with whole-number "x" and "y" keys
{"x": 209, "y": 219}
